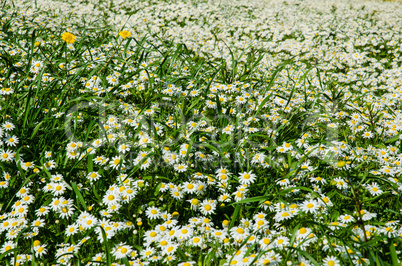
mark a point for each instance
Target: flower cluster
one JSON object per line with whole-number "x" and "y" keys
{"x": 181, "y": 135}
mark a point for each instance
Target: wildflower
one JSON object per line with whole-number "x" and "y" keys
{"x": 340, "y": 183}
{"x": 153, "y": 213}
{"x": 124, "y": 34}
{"x": 6, "y": 156}
{"x": 93, "y": 176}
{"x": 310, "y": 206}
{"x": 50, "y": 165}
{"x": 283, "y": 215}
{"x": 42, "y": 211}
{"x": 8, "y": 126}
{"x": 374, "y": 189}
{"x": 121, "y": 251}
{"x": 238, "y": 233}
{"x": 27, "y": 165}
{"x": 6, "y": 247}
{"x": 123, "y": 148}
{"x": 180, "y": 168}
{"x": 303, "y": 232}
{"x": 346, "y": 218}
{"x": 115, "y": 162}
{"x": 68, "y": 37}
{"x": 367, "y": 135}
{"x": 281, "y": 242}
{"x": 331, "y": 261}
{"x": 208, "y": 207}
{"x": 247, "y": 178}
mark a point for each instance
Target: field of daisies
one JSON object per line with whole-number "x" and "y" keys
{"x": 245, "y": 132}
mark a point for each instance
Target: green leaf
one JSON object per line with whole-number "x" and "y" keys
{"x": 234, "y": 217}
{"x": 181, "y": 254}
{"x": 125, "y": 260}
{"x": 394, "y": 256}
{"x": 79, "y": 195}
{"x": 106, "y": 245}
{"x": 248, "y": 200}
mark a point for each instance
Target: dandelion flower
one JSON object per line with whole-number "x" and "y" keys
{"x": 68, "y": 37}
{"x": 124, "y": 34}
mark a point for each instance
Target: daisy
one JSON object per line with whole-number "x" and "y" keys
{"x": 196, "y": 241}
{"x": 302, "y": 233}
{"x": 283, "y": 182}
{"x": 177, "y": 193}
{"x": 111, "y": 197}
{"x": 331, "y": 261}
{"x": 241, "y": 100}
{"x": 147, "y": 252}
{"x": 336, "y": 225}
{"x": 361, "y": 261}
{"x": 325, "y": 200}
{"x": 374, "y": 189}
{"x": 6, "y": 156}
{"x": 4, "y": 184}
{"x": 58, "y": 189}
{"x": 153, "y": 213}
{"x": 88, "y": 222}
{"x": 194, "y": 203}
{"x": 367, "y": 135}
{"x": 93, "y": 176}
{"x": 8, "y": 126}
{"x": 121, "y": 251}
{"x": 247, "y": 178}
{"x": 340, "y": 183}
{"x": 128, "y": 194}
{"x": 264, "y": 243}
{"x": 310, "y": 206}
{"x": 97, "y": 143}
{"x": 239, "y": 195}
{"x": 189, "y": 187}
{"x": 238, "y": 233}
{"x": 208, "y": 207}
{"x": 281, "y": 242}
{"x": 6, "y": 247}
{"x": 180, "y": 168}
{"x": 185, "y": 232}
{"x": 50, "y": 165}
{"x": 42, "y": 211}
{"x": 123, "y": 148}
{"x": 169, "y": 259}
{"x": 169, "y": 249}
{"x": 28, "y": 199}
{"x": 144, "y": 139}
{"x": 116, "y": 162}
{"x": 40, "y": 250}
{"x": 48, "y": 154}
{"x": 224, "y": 198}
{"x": 38, "y": 223}
{"x": 283, "y": 215}
{"x": 346, "y": 218}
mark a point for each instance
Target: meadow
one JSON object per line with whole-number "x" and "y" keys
{"x": 200, "y": 132}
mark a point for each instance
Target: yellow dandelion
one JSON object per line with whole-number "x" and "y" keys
{"x": 68, "y": 37}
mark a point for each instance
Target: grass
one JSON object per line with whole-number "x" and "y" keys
{"x": 164, "y": 149}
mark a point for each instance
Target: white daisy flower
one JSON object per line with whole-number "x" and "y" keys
{"x": 247, "y": 178}
{"x": 153, "y": 213}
